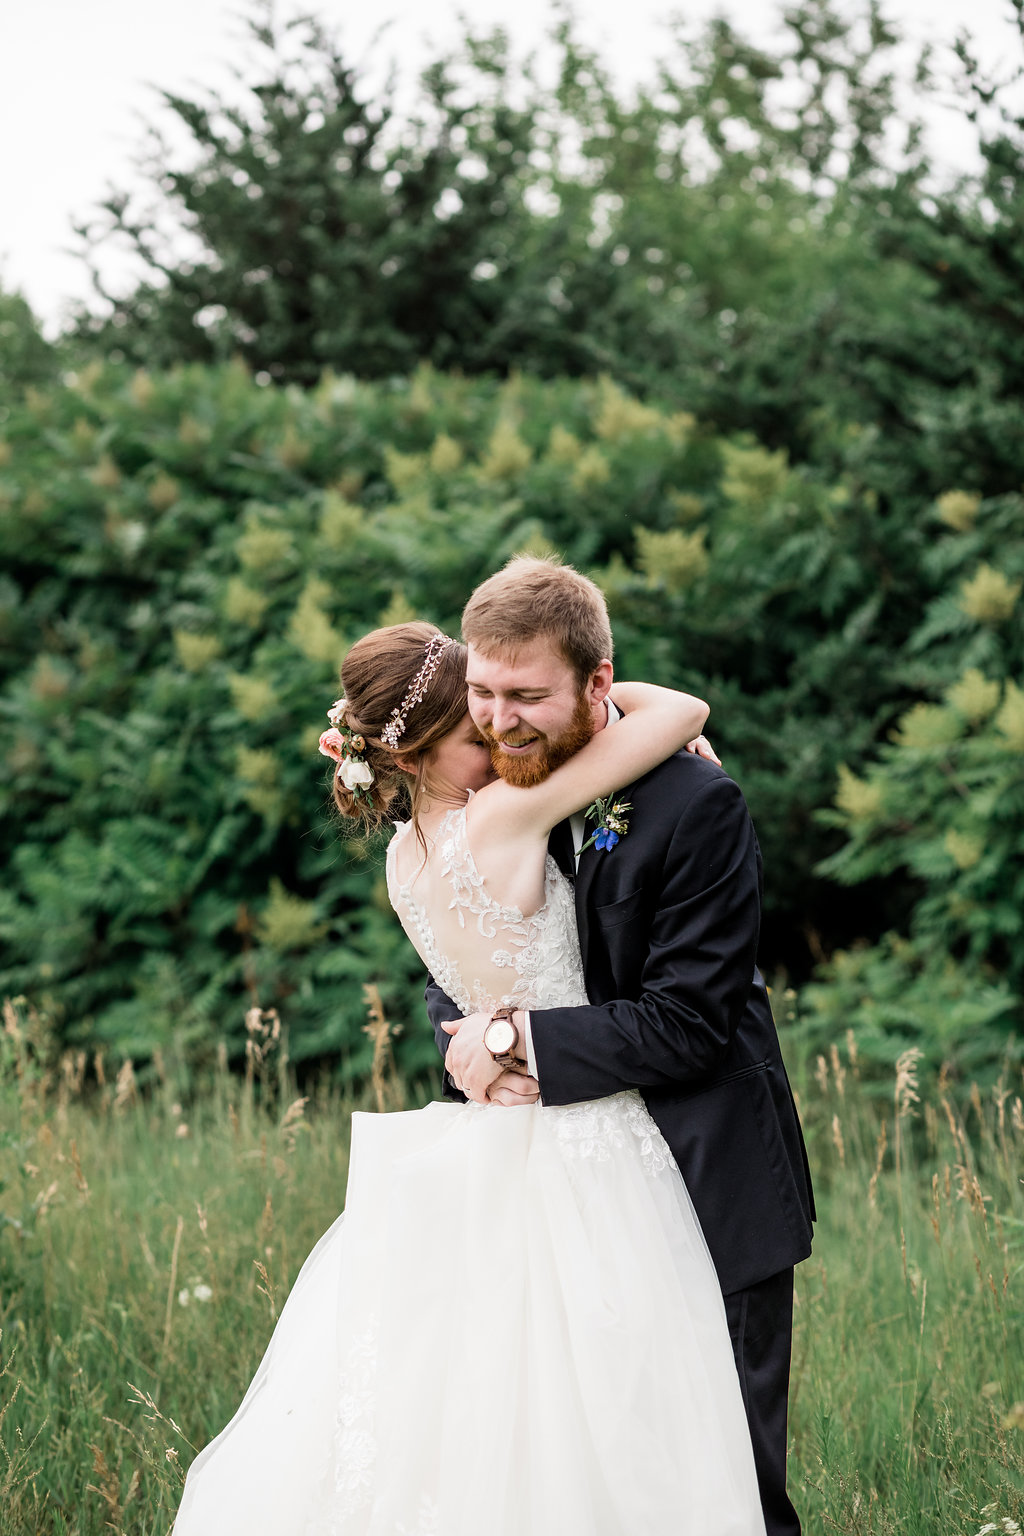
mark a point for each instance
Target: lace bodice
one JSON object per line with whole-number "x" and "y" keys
{"x": 483, "y": 954}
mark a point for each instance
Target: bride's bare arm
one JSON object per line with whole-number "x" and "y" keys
{"x": 656, "y": 723}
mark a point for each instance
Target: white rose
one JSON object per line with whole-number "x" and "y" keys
{"x": 355, "y": 775}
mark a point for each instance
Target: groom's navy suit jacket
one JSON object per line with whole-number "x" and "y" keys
{"x": 668, "y": 922}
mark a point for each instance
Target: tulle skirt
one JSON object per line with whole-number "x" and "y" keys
{"x": 515, "y": 1329}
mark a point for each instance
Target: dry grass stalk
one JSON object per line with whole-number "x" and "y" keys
{"x": 880, "y": 1149}
{"x": 147, "y": 1252}
{"x": 292, "y": 1122}
{"x": 109, "y": 1488}
{"x": 41, "y": 1203}
{"x": 821, "y": 1075}
{"x": 971, "y": 1191}
{"x": 837, "y": 1140}
{"x": 125, "y": 1090}
{"x": 81, "y": 1182}
{"x": 268, "y": 1288}
{"x": 267, "y": 1221}
{"x": 11, "y": 1025}
{"x": 905, "y": 1096}
{"x": 936, "y": 1209}
{"x": 263, "y": 1027}
{"x": 153, "y": 1413}
{"x": 388, "y": 1088}
{"x": 838, "y": 1070}
{"x": 74, "y": 1070}
{"x": 173, "y": 1282}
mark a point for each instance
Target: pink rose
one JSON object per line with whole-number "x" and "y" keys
{"x": 332, "y": 744}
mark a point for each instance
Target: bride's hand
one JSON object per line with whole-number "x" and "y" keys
{"x": 514, "y": 1089}
{"x": 701, "y": 747}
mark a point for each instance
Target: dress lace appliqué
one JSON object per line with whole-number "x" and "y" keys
{"x": 541, "y": 953}
{"x": 602, "y": 1127}
{"x": 355, "y": 1443}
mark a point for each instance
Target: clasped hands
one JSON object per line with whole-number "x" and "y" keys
{"x": 474, "y": 1071}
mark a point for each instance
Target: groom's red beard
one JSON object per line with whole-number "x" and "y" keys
{"x": 550, "y": 753}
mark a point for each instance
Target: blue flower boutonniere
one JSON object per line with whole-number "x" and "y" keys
{"x": 612, "y": 822}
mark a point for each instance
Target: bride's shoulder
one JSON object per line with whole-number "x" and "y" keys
{"x": 400, "y": 863}
{"x": 399, "y": 838}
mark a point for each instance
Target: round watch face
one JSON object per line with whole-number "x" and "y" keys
{"x": 500, "y": 1036}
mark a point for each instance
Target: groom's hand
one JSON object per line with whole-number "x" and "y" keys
{"x": 468, "y": 1062}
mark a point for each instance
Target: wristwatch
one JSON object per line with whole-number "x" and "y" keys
{"x": 501, "y": 1037}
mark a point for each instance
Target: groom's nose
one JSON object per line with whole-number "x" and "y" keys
{"x": 504, "y": 716}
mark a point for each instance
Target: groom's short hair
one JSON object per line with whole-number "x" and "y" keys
{"x": 532, "y": 597}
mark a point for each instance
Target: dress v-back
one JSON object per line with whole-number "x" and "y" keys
{"x": 515, "y": 1327}
{"x": 484, "y": 954}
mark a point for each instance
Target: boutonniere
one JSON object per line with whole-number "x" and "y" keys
{"x": 612, "y": 822}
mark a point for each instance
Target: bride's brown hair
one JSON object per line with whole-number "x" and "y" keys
{"x": 376, "y": 676}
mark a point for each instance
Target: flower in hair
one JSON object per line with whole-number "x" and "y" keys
{"x": 346, "y": 748}
{"x": 355, "y": 775}
{"x": 393, "y": 732}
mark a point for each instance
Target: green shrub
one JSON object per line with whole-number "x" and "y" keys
{"x": 188, "y": 554}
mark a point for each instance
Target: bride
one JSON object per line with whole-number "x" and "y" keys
{"x": 515, "y": 1328}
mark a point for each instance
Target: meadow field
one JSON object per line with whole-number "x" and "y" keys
{"x": 743, "y": 347}
{"x": 150, "y": 1233}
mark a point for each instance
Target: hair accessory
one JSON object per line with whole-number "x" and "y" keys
{"x": 395, "y": 728}
{"x": 346, "y": 747}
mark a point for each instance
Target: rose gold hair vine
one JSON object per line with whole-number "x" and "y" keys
{"x": 395, "y": 728}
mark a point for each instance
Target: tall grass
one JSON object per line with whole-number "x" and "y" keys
{"x": 149, "y": 1234}
{"x": 907, "y": 1403}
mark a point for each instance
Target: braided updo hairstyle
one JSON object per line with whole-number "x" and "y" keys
{"x": 375, "y": 678}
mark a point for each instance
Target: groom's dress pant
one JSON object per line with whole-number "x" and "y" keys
{"x": 761, "y": 1328}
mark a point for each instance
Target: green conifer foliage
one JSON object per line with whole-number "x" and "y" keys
{"x": 168, "y": 660}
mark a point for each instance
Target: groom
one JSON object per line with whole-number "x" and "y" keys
{"x": 668, "y": 920}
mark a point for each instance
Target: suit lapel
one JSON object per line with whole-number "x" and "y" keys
{"x": 560, "y": 847}
{"x": 588, "y": 867}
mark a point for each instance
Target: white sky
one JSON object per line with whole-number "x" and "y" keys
{"x": 76, "y": 77}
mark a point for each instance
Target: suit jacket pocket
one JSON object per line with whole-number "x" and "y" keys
{"x": 614, "y": 913}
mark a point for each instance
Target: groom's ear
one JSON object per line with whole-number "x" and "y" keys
{"x": 600, "y": 682}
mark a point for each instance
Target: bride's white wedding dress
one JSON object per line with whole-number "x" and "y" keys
{"x": 515, "y": 1328}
